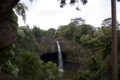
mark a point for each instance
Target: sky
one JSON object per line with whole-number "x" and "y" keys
{"x": 47, "y": 13}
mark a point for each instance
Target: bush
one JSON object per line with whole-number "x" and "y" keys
{"x": 31, "y": 67}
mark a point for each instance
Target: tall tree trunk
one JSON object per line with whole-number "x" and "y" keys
{"x": 114, "y": 70}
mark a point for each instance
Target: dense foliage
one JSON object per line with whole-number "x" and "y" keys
{"x": 31, "y": 67}
{"x": 96, "y": 45}
{"x": 39, "y": 33}
{"x": 25, "y": 41}
{"x": 19, "y": 62}
{"x": 21, "y": 59}
{"x": 74, "y": 32}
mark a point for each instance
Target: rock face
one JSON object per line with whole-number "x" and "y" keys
{"x": 8, "y": 29}
{"x": 46, "y": 45}
{"x": 7, "y": 33}
{"x": 71, "y": 51}
{"x": 7, "y": 24}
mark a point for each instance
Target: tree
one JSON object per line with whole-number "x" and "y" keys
{"x": 38, "y": 33}
{"x": 78, "y": 21}
{"x": 66, "y": 31}
{"x": 114, "y": 64}
{"x": 6, "y": 8}
{"x": 6, "y": 66}
{"x": 32, "y": 68}
{"x": 82, "y": 30}
{"x": 25, "y": 41}
{"x": 29, "y": 66}
{"x": 72, "y": 2}
{"x": 69, "y": 31}
{"x": 50, "y": 32}
{"x": 108, "y": 23}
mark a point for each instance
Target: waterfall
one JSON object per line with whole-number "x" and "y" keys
{"x": 60, "y": 60}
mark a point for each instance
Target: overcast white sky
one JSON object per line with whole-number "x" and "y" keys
{"x": 48, "y": 14}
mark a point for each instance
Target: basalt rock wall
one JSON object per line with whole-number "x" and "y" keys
{"x": 70, "y": 50}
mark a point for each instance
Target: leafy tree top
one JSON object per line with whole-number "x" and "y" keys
{"x": 108, "y": 23}
{"x": 72, "y": 2}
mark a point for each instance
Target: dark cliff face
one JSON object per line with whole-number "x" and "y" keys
{"x": 48, "y": 45}
{"x": 53, "y": 57}
{"x": 71, "y": 52}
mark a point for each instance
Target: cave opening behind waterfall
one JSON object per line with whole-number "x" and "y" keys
{"x": 53, "y": 57}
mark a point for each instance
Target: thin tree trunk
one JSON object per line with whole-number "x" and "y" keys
{"x": 114, "y": 70}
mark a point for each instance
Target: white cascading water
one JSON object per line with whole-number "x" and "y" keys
{"x": 60, "y": 61}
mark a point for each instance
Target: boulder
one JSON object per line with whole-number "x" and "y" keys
{"x": 7, "y": 33}
{"x": 8, "y": 30}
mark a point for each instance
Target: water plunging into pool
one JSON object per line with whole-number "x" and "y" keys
{"x": 60, "y": 60}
